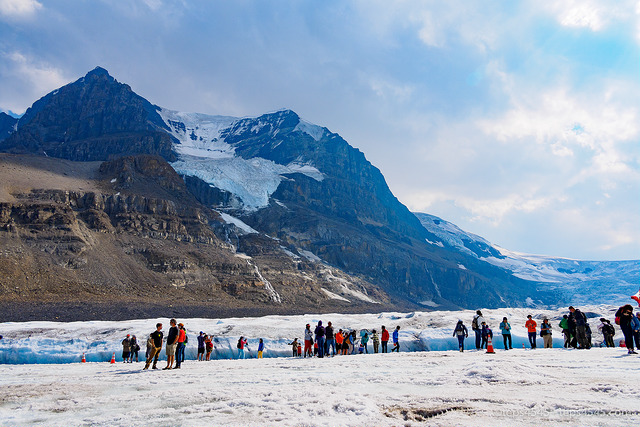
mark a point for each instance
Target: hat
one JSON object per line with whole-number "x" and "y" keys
{"x": 180, "y": 324}
{"x": 201, "y": 332}
{"x": 128, "y": 335}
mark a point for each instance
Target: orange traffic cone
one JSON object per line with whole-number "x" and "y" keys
{"x": 113, "y": 358}
{"x": 489, "y": 345}
{"x": 83, "y": 359}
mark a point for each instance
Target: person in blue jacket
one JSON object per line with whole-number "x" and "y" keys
{"x": 396, "y": 342}
{"x": 635, "y": 327}
{"x": 486, "y": 333}
{"x": 461, "y": 332}
{"x": 505, "y": 328}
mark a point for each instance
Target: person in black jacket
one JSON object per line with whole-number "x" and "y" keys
{"x": 577, "y": 318}
{"x": 625, "y": 314}
{"x": 157, "y": 336}
{"x": 320, "y": 338}
{"x": 608, "y": 331}
{"x": 461, "y": 332}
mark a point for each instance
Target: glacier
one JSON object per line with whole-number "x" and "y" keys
{"x": 60, "y": 342}
{"x": 203, "y": 153}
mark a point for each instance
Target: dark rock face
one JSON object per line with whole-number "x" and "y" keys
{"x": 94, "y": 118}
{"x": 7, "y": 124}
{"x": 151, "y": 232}
{"x": 351, "y": 220}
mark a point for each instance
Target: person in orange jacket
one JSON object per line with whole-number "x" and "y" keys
{"x": 531, "y": 328}
{"x": 339, "y": 341}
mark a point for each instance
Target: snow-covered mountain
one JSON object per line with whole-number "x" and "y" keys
{"x": 576, "y": 280}
{"x": 204, "y": 153}
{"x": 277, "y": 213}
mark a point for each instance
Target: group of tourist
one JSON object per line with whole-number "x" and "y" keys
{"x": 325, "y": 341}
{"x": 575, "y": 329}
{"x": 177, "y": 339}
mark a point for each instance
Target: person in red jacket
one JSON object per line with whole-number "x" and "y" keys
{"x": 531, "y": 328}
{"x": 384, "y": 339}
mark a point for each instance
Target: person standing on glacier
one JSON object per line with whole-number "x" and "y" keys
{"x": 156, "y": 337}
{"x": 505, "y": 327}
{"x": 308, "y": 341}
{"x": 396, "y": 340}
{"x": 476, "y": 326}
{"x": 461, "y": 332}
{"x": 531, "y": 326}
{"x": 320, "y": 338}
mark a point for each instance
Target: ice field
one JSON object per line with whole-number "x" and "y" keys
{"x": 551, "y": 387}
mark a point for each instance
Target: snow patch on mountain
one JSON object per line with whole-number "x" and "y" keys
{"x": 204, "y": 153}
{"x": 578, "y": 281}
{"x": 238, "y": 223}
{"x": 316, "y": 132}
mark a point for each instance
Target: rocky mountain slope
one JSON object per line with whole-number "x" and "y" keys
{"x": 180, "y": 210}
{"x": 125, "y": 239}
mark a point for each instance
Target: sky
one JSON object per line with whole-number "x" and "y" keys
{"x": 516, "y": 121}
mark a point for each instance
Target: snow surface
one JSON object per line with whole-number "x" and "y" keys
{"x": 551, "y": 387}
{"x": 203, "y": 153}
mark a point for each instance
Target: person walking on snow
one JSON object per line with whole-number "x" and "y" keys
{"x": 625, "y": 316}
{"x": 308, "y": 341}
{"x": 126, "y": 348}
{"x": 363, "y": 341}
{"x": 172, "y": 343}
{"x": 294, "y": 346}
{"x": 505, "y": 328}
{"x": 608, "y": 331}
{"x": 320, "y": 338}
{"x": 531, "y": 326}
{"x": 135, "y": 348}
{"x": 566, "y": 331}
{"x": 396, "y": 342}
{"x": 384, "y": 339}
{"x": 580, "y": 321}
{"x": 156, "y": 337}
{"x": 330, "y": 342}
{"x": 201, "y": 346}
{"x": 182, "y": 342}
{"x": 242, "y": 343}
{"x": 461, "y": 332}
{"x": 376, "y": 341}
{"x": 486, "y": 334}
{"x": 261, "y": 348}
{"x": 636, "y": 329}
{"x": 545, "y": 333}
{"x": 208, "y": 343}
{"x": 339, "y": 340}
{"x": 476, "y": 327}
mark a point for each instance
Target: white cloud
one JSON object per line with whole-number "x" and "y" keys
{"x": 595, "y": 15}
{"x": 25, "y": 75}
{"x": 19, "y": 8}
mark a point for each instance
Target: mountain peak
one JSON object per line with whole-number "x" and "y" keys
{"x": 98, "y": 71}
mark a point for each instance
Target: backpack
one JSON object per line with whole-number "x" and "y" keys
{"x": 239, "y": 345}
{"x": 609, "y": 329}
{"x": 474, "y": 323}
